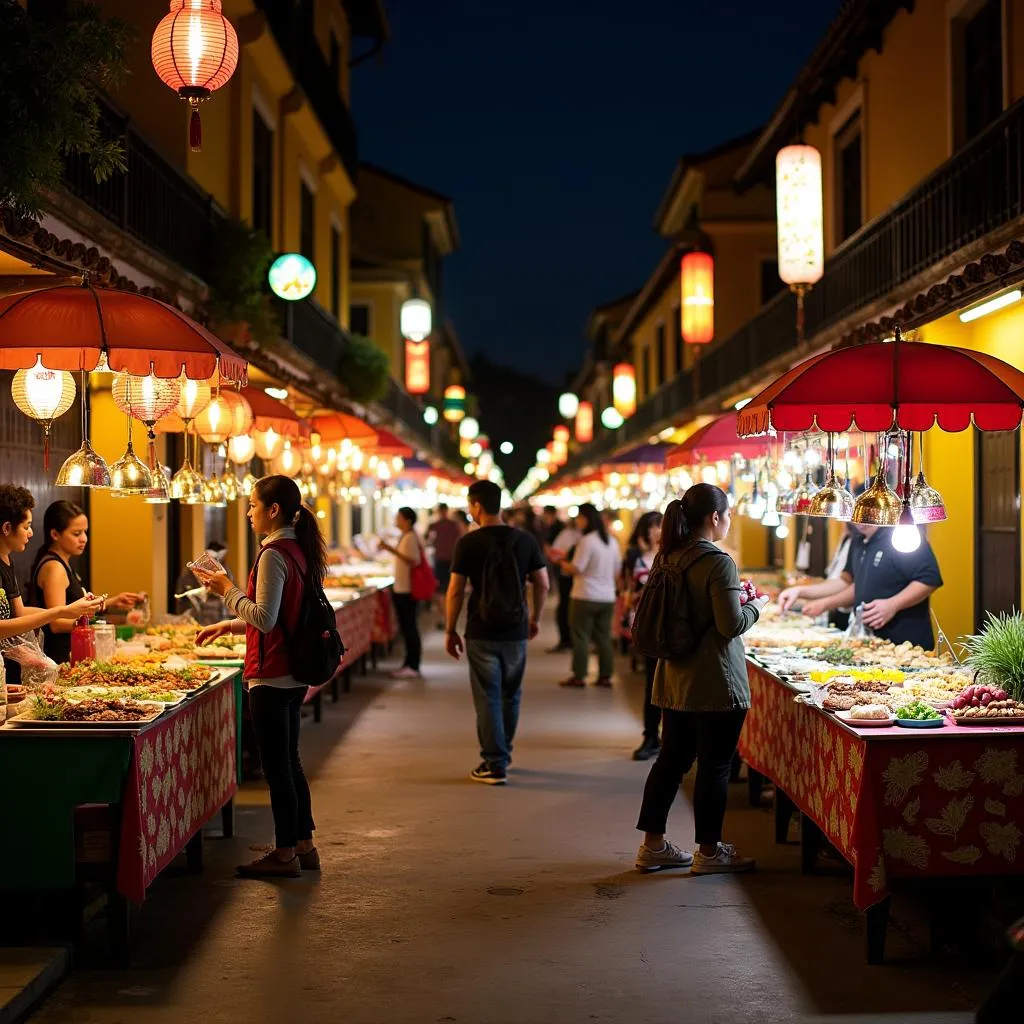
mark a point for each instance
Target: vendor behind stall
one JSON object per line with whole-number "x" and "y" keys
{"x": 53, "y": 583}
{"x": 893, "y": 586}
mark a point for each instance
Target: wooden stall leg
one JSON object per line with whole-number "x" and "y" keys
{"x": 784, "y": 808}
{"x": 755, "y": 784}
{"x": 119, "y": 925}
{"x": 194, "y": 853}
{"x": 318, "y": 707}
{"x": 227, "y": 819}
{"x": 876, "y": 927}
{"x": 810, "y": 843}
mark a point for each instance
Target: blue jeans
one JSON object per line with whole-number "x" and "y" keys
{"x": 496, "y": 669}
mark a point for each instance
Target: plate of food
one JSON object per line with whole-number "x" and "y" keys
{"x": 189, "y": 678}
{"x": 918, "y": 714}
{"x": 50, "y": 710}
{"x": 867, "y": 716}
{"x": 169, "y": 698}
{"x": 984, "y": 705}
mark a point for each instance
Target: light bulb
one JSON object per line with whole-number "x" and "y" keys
{"x": 756, "y": 508}
{"x": 782, "y": 531}
{"x": 906, "y": 538}
{"x": 771, "y": 517}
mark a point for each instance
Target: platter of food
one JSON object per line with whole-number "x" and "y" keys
{"x": 917, "y": 714}
{"x": 127, "y": 674}
{"x": 984, "y": 705}
{"x": 169, "y": 698}
{"x": 52, "y": 710}
{"x": 867, "y": 716}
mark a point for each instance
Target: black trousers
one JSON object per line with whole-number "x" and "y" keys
{"x": 652, "y": 714}
{"x": 275, "y": 721}
{"x": 562, "y": 614}
{"x": 405, "y": 607}
{"x": 710, "y": 739}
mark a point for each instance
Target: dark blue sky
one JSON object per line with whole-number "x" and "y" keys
{"x": 555, "y": 126}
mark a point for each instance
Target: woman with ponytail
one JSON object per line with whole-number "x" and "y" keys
{"x": 292, "y": 556}
{"x": 705, "y": 697}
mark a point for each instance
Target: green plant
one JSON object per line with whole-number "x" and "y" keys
{"x": 362, "y": 368}
{"x": 237, "y": 262}
{"x": 997, "y": 652}
{"x": 54, "y": 63}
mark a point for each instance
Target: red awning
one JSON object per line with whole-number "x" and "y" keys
{"x": 717, "y": 441}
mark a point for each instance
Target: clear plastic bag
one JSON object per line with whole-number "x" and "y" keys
{"x": 856, "y": 630}
{"x": 37, "y": 670}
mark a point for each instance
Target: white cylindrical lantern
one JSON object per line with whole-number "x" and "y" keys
{"x": 416, "y": 320}
{"x": 799, "y": 211}
{"x": 469, "y": 429}
{"x": 568, "y": 405}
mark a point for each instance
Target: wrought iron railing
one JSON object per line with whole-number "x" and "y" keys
{"x": 978, "y": 190}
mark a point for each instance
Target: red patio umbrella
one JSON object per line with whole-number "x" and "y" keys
{"x": 272, "y": 414}
{"x": 716, "y": 441}
{"x": 69, "y": 326}
{"x": 342, "y": 426}
{"x": 390, "y": 445}
{"x": 874, "y": 387}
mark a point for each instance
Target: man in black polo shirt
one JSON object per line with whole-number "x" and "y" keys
{"x": 893, "y": 586}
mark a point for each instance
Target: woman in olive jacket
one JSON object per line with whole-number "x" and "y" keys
{"x": 705, "y": 697}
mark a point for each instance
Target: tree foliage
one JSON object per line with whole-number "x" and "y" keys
{"x": 362, "y": 369}
{"x": 236, "y": 273}
{"x": 54, "y": 63}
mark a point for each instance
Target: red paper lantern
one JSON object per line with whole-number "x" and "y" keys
{"x": 585, "y": 423}
{"x": 417, "y": 367}
{"x": 195, "y": 52}
{"x": 624, "y": 389}
{"x": 697, "y": 285}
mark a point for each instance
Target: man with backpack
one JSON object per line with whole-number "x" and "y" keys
{"x": 498, "y": 561}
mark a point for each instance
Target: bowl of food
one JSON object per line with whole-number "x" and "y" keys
{"x": 917, "y": 714}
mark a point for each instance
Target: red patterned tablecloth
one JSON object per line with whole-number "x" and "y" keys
{"x": 385, "y": 623}
{"x": 897, "y": 803}
{"x": 355, "y": 624}
{"x": 181, "y": 773}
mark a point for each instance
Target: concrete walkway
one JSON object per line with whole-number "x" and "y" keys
{"x": 443, "y": 900}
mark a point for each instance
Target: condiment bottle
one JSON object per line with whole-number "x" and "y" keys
{"x": 83, "y": 641}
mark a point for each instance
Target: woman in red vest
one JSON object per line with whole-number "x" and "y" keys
{"x": 267, "y": 613}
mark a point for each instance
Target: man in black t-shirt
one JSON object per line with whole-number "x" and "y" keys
{"x": 496, "y": 656}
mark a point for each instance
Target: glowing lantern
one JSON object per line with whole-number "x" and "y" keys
{"x": 454, "y": 403}
{"x": 799, "y": 213}
{"x": 611, "y": 418}
{"x": 469, "y": 429}
{"x": 697, "y": 308}
{"x": 193, "y": 397}
{"x": 417, "y": 366}
{"x": 227, "y": 415}
{"x": 194, "y": 52}
{"x": 43, "y": 395}
{"x": 559, "y": 452}
{"x": 624, "y": 389}
{"x": 291, "y": 277}
{"x": 568, "y": 405}
{"x": 288, "y": 463}
{"x": 148, "y": 399}
{"x": 267, "y": 444}
{"x": 241, "y": 449}
{"x": 561, "y": 435}
{"x": 585, "y": 423}
{"x": 430, "y": 415}
{"x": 415, "y": 319}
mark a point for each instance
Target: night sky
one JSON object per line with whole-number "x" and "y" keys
{"x": 555, "y": 126}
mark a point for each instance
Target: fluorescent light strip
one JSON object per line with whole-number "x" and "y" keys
{"x": 999, "y": 302}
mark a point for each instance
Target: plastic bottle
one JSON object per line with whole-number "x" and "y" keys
{"x": 83, "y": 641}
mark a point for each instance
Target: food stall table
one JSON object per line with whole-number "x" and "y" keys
{"x": 162, "y": 782}
{"x": 897, "y": 803}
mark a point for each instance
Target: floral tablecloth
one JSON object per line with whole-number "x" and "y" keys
{"x": 897, "y": 803}
{"x": 385, "y": 623}
{"x": 182, "y": 771}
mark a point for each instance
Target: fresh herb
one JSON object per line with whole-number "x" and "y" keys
{"x": 997, "y": 653}
{"x": 48, "y": 709}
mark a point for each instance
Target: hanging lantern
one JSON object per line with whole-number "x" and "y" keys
{"x": 130, "y": 475}
{"x": 241, "y": 449}
{"x": 194, "y": 52}
{"x": 559, "y": 453}
{"x": 416, "y": 319}
{"x": 227, "y": 415}
{"x": 799, "y": 213}
{"x": 268, "y": 444}
{"x": 611, "y": 418}
{"x": 454, "y": 403}
{"x": 292, "y": 277}
{"x": 561, "y": 435}
{"x": 585, "y": 423}
{"x": 43, "y": 395}
{"x": 568, "y": 405}
{"x": 624, "y": 389}
{"x": 469, "y": 429}
{"x": 697, "y": 299}
{"x": 417, "y": 366}
{"x": 288, "y": 463}
{"x": 147, "y": 399}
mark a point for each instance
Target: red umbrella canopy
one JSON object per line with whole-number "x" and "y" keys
{"x": 872, "y": 386}
{"x": 716, "y": 441}
{"x": 342, "y": 426}
{"x": 67, "y": 327}
{"x": 271, "y": 414}
{"x": 390, "y": 445}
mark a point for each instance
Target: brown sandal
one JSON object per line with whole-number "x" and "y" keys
{"x": 271, "y": 866}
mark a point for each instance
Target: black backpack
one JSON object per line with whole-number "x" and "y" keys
{"x": 315, "y": 649}
{"x": 664, "y": 627}
{"x": 500, "y": 605}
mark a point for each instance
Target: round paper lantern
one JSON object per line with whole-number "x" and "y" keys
{"x": 568, "y": 405}
{"x": 623, "y": 390}
{"x": 612, "y": 418}
{"x": 241, "y": 449}
{"x": 147, "y": 399}
{"x": 469, "y": 429}
{"x": 454, "y": 403}
{"x": 288, "y": 463}
{"x": 43, "y": 395}
{"x": 291, "y": 277}
{"x": 268, "y": 444}
{"x": 195, "y": 52}
{"x": 561, "y": 435}
{"x": 697, "y": 298}
{"x": 227, "y": 415}
{"x": 585, "y": 423}
{"x": 416, "y": 319}
{"x": 799, "y": 213}
{"x": 194, "y": 397}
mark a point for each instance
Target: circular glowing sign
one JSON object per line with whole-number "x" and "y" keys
{"x": 292, "y": 277}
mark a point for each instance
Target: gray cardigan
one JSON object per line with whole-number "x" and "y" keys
{"x": 714, "y": 677}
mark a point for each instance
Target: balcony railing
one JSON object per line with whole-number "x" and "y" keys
{"x": 976, "y": 191}
{"x": 409, "y": 413}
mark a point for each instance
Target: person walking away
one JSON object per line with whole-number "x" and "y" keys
{"x": 704, "y": 696}
{"x": 292, "y": 557}
{"x": 497, "y": 561}
{"x": 636, "y": 567}
{"x": 407, "y": 554}
{"x": 442, "y": 535}
{"x": 559, "y": 541}
{"x": 594, "y": 569}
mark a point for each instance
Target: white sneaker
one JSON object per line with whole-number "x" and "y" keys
{"x": 405, "y": 673}
{"x": 725, "y": 860}
{"x": 669, "y": 856}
